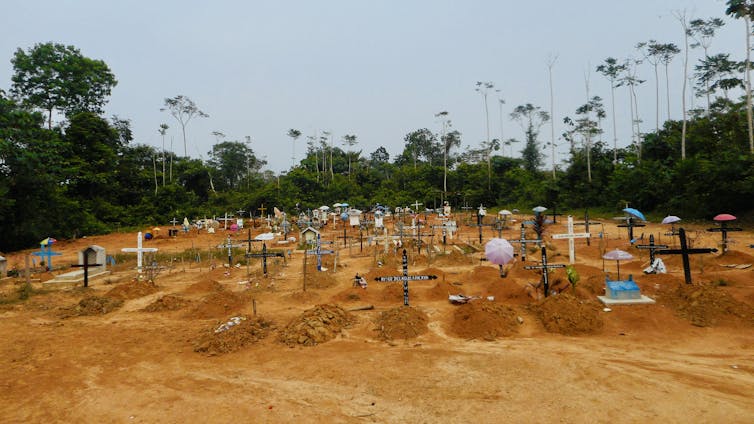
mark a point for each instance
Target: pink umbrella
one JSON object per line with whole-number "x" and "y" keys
{"x": 724, "y": 217}
{"x": 498, "y": 251}
{"x": 618, "y": 255}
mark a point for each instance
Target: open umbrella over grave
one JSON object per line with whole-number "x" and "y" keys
{"x": 618, "y": 255}
{"x": 499, "y": 251}
{"x": 635, "y": 213}
{"x": 48, "y": 241}
{"x": 724, "y": 217}
{"x": 539, "y": 209}
{"x": 671, "y": 219}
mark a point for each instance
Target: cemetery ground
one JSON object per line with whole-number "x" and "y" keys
{"x": 127, "y": 350}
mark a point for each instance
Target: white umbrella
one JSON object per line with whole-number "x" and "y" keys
{"x": 539, "y": 209}
{"x": 498, "y": 251}
{"x": 324, "y": 208}
{"x": 505, "y": 212}
{"x": 670, "y": 219}
{"x": 337, "y": 205}
{"x": 354, "y": 212}
{"x": 618, "y": 255}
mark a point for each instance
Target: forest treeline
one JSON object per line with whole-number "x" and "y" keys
{"x": 87, "y": 175}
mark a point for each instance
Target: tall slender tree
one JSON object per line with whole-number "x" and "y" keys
{"x": 163, "y": 130}
{"x": 531, "y": 118}
{"x": 702, "y": 32}
{"x": 445, "y": 123}
{"x": 666, "y": 53}
{"x": 744, "y": 9}
{"x": 550, "y": 64}
{"x": 349, "y": 140}
{"x": 294, "y": 134}
{"x": 680, "y": 15}
{"x": 651, "y": 52}
{"x": 183, "y": 109}
{"x": 483, "y": 88}
{"x": 611, "y": 69}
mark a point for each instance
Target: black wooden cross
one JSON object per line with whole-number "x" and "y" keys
{"x": 523, "y": 241}
{"x": 586, "y": 224}
{"x": 264, "y": 255}
{"x": 86, "y": 265}
{"x": 318, "y": 251}
{"x": 724, "y": 229}
{"x": 405, "y": 278}
{"x": 499, "y": 226}
{"x": 545, "y": 267}
{"x": 631, "y": 224}
{"x": 480, "y": 223}
{"x": 445, "y": 227}
{"x": 684, "y": 251}
{"x": 651, "y": 247}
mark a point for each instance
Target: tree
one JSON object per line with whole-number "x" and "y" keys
{"x": 483, "y": 88}
{"x": 681, "y": 16}
{"x": 631, "y": 80}
{"x": 183, "y": 109}
{"x": 651, "y": 52}
{"x": 717, "y": 72}
{"x": 745, "y": 9}
{"x": 445, "y": 122}
{"x": 586, "y": 127}
{"x": 531, "y": 118}
{"x": 53, "y": 76}
{"x": 611, "y": 69}
{"x": 163, "y": 130}
{"x": 233, "y": 159}
{"x": 666, "y": 54}
{"x": 550, "y": 64}
{"x": 294, "y": 135}
{"x": 702, "y": 32}
{"x": 350, "y": 141}
{"x": 420, "y": 144}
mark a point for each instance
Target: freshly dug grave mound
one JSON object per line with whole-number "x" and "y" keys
{"x": 705, "y": 305}
{"x": 484, "y": 320}
{"x": 92, "y": 305}
{"x": 568, "y": 315}
{"x": 168, "y": 302}
{"x": 221, "y": 338}
{"x": 317, "y": 325}
{"x": 217, "y": 305}
{"x": 204, "y": 286}
{"x": 401, "y": 323}
{"x": 451, "y": 257}
{"x": 393, "y": 292}
{"x": 132, "y": 290}
{"x": 319, "y": 279}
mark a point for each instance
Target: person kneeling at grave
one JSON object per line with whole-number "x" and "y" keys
{"x": 359, "y": 281}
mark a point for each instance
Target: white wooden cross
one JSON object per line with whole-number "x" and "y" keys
{"x": 570, "y": 235}
{"x": 139, "y": 250}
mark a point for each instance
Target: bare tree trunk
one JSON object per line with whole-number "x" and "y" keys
{"x": 748, "y": 84}
{"x": 163, "y": 160}
{"x": 154, "y": 168}
{"x": 638, "y": 128}
{"x": 682, "y": 18}
{"x": 550, "y": 64}
{"x": 667, "y": 90}
{"x": 615, "y": 131}
{"x": 185, "y": 150}
{"x": 588, "y": 134}
{"x": 171, "y": 159}
{"x": 657, "y": 100}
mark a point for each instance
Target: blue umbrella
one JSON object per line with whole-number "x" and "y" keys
{"x": 635, "y": 213}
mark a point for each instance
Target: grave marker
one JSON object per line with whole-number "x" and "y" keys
{"x": 652, "y": 247}
{"x": 684, "y": 251}
{"x": 631, "y": 224}
{"x": 724, "y": 230}
{"x": 318, "y": 251}
{"x": 523, "y": 242}
{"x": 405, "y": 278}
{"x": 586, "y": 225}
{"x": 570, "y": 235}
{"x": 139, "y": 251}
{"x": 264, "y": 255}
{"x": 545, "y": 267}
{"x": 45, "y": 251}
{"x": 86, "y": 265}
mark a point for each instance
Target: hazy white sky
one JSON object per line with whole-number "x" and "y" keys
{"x": 377, "y": 69}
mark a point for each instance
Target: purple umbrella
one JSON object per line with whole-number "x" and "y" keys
{"x": 670, "y": 219}
{"x": 618, "y": 255}
{"x": 499, "y": 251}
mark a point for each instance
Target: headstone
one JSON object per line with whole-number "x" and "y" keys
{"x": 623, "y": 292}
{"x": 3, "y": 267}
{"x": 93, "y": 255}
{"x": 405, "y": 278}
{"x": 570, "y": 235}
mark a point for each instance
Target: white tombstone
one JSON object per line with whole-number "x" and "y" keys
{"x": 139, "y": 251}
{"x": 95, "y": 255}
{"x": 239, "y": 223}
{"x": 3, "y": 266}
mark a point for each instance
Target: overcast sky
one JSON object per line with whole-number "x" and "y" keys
{"x": 376, "y": 69}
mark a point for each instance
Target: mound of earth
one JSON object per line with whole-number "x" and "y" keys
{"x": 484, "y": 320}
{"x": 393, "y": 292}
{"x": 216, "y": 340}
{"x": 93, "y": 305}
{"x": 317, "y": 325}
{"x": 204, "y": 286}
{"x": 451, "y": 257}
{"x": 168, "y": 302}
{"x": 319, "y": 279}
{"x": 440, "y": 291}
{"x": 401, "y": 323}
{"x": 133, "y": 290}
{"x": 705, "y": 305}
{"x": 217, "y": 305}
{"x": 568, "y": 315}
{"x": 507, "y": 290}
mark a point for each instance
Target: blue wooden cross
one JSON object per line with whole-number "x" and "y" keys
{"x": 318, "y": 251}
{"x": 46, "y": 252}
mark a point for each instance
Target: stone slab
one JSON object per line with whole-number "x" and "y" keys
{"x": 644, "y": 300}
